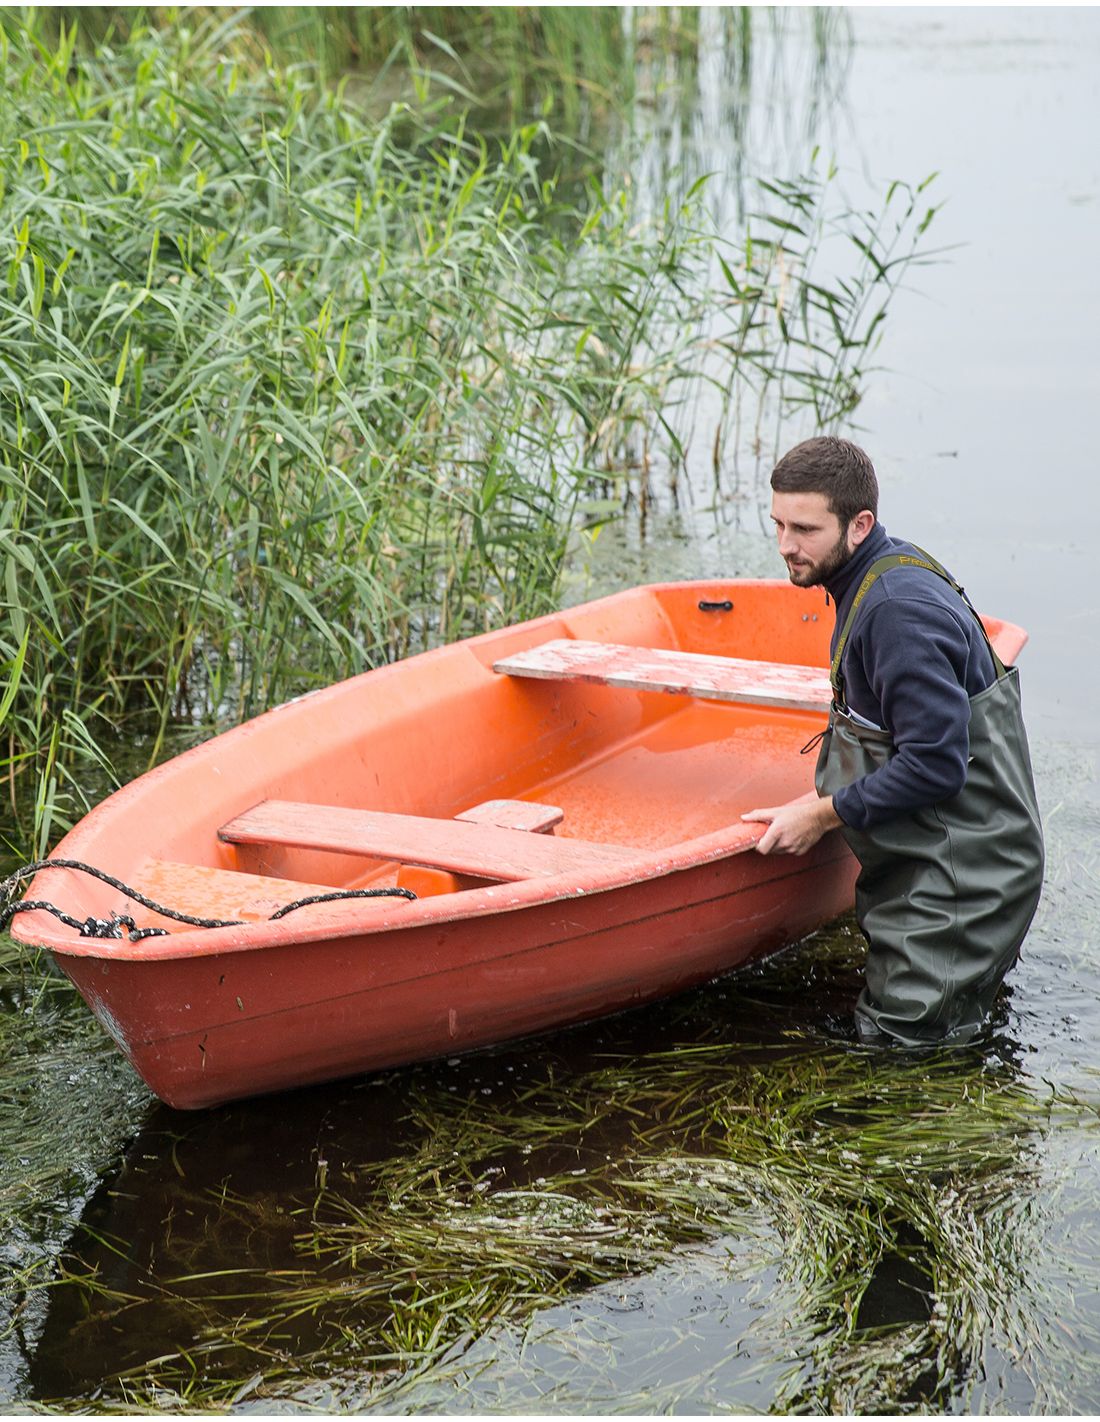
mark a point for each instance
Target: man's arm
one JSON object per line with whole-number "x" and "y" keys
{"x": 797, "y": 826}
{"x": 915, "y": 654}
{"x": 918, "y": 675}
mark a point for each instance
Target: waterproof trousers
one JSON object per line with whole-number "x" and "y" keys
{"x": 945, "y": 894}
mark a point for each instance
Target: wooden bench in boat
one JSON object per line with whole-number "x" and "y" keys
{"x": 481, "y": 849}
{"x": 679, "y": 673}
{"x": 528, "y": 815}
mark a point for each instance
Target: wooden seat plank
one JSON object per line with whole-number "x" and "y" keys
{"x": 484, "y": 850}
{"x": 529, "y": 815}
{"x": 678, "y": 673}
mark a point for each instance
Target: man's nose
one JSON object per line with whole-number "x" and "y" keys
{"x": 786, "y": 543}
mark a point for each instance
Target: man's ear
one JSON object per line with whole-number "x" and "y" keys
{"x": 860, "y": 527}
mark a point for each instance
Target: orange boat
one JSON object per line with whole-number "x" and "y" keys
{"x": 562, "y": 796}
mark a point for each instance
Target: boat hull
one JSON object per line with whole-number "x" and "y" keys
{"x": 656, "y": 888}
{"x": 203, "y": 1030}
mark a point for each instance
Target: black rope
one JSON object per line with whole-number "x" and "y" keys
{"x": 113, "y": 927}
{"x": 339, "y": 894}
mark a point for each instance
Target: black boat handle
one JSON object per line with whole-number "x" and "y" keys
{"x": 725, "y": 606}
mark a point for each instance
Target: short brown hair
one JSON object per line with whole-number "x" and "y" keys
{"x": 834, "y": 467}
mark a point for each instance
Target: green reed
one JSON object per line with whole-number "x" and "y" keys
{"x": 510, "y": 61}
{"x": 290, "y": 390}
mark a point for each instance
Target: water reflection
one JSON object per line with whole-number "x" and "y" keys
{"x": 900, "y": 1288}
{"x": 736, "y": 1207}
{"x": 196, "y": 1228}
{"x": 729, "y": 90}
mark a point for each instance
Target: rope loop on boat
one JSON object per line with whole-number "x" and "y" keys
{"x": 121, "y": 925}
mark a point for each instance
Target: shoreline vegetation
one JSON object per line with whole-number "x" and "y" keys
{"x": 291, "y": 390}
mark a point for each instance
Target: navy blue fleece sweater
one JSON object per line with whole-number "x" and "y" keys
{"x": 915, "y": 656}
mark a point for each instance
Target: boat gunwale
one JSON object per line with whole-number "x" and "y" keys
{"x": 356, "y": 918}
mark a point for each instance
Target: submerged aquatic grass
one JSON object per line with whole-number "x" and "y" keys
{"x": 882, "y": 1213}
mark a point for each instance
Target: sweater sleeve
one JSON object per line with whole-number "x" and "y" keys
{"x": 914, "y": 655}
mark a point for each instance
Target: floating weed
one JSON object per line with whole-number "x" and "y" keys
{"x": 889, "y": 1207}
{"x": 880, "y": 1217}
{"x": 294, "y": 392}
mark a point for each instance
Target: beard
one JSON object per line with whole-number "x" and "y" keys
{"x": 812, "y": 575}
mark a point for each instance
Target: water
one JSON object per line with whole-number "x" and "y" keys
{"x": 736, "y": 1226}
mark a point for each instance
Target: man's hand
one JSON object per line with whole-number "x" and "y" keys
{"x": 795, "y": 827}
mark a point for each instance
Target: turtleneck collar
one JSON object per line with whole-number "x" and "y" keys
{"x": 875, "y": 545}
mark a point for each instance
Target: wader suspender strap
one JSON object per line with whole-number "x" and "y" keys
{"x": 883, "y": 565}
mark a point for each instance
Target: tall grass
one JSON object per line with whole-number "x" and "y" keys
{"x": 509, "y": 61}
{"x": 288, "y": 391}
{"x": 285, "y": 391}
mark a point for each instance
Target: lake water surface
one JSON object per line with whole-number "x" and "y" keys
{"x": 683, "y": 1196}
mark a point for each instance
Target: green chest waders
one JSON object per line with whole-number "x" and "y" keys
{"x": 945, "y": 894}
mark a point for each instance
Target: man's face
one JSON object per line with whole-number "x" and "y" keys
{"x": 811, "y": 540}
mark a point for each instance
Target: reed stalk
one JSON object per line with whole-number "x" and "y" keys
{"x": 289, "y": 390}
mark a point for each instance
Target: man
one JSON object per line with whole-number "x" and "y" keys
{"x": 924, "y": 766}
